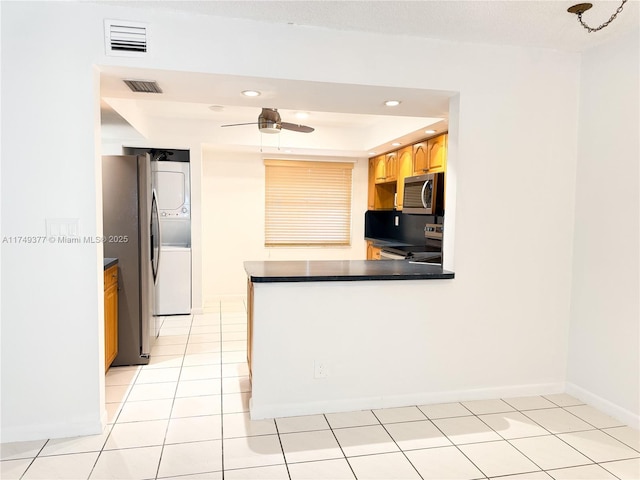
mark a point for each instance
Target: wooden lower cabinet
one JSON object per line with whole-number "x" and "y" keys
{"x": 110, "y": 315}
{"x": 373, "y": 253}
{"x": 249, "y": 323}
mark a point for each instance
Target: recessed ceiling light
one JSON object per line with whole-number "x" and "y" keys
{"x": 302, "y": 115}
{"x": 251, "y": 93}
{"x": 429, "y": 131}
{"x": 392, "y": 103}
{"x": 371, "y": 153}
{"x": 216, "y": 108}
{"x": 396, "y": 144}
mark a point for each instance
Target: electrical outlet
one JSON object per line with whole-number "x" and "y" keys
{"x": 321, "y": 369}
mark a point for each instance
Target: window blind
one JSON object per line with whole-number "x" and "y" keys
{"x": 307, "y": 203}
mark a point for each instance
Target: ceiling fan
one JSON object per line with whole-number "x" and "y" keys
{"x": 269, "y": 122}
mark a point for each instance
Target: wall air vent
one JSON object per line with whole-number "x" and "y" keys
{"x": 143, "y": 86}
{"x": 125, "y": 39}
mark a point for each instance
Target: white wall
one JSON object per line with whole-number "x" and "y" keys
{"x": 604, "y": 354}
{"x": 233, "y": 221}
{"x": 52, "y": 343}
{"x": 387, "y": 344}
{"x": 515, "y": 168}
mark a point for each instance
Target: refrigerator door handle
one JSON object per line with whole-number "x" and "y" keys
{"x": 155, "y": 242}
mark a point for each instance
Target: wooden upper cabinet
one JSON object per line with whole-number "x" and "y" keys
{"x": 371, "y": 185}
{"x": 387, "y": 172}
{"x": 420, "y": 158}
{"x": 380, "y": 169}
{"x": 391, "y": 167}
{"x": 437, "y": 153}
{"x": 404, "y": 169}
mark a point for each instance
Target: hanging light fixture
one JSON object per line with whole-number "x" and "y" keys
{"x": 580, "y": 8}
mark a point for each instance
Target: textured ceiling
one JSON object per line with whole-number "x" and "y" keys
{"x": 514, "y": 22}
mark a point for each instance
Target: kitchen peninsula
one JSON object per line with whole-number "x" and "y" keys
{"x": 330, "y": 336}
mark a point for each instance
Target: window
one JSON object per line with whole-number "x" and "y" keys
{"x": 307, "y": 203}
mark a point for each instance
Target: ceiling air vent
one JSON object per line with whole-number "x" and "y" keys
{"x": 126, "y": 39}
{"x": 143, "y": 86}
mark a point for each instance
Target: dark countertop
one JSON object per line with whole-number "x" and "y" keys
{"x": 109, "y": 262}
{"x": 342, "y": 270}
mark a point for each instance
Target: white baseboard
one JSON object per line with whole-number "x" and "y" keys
{"x": 605, "y": 406}
{"x": 39, "y": 431}
{"x": 276, "y": 410}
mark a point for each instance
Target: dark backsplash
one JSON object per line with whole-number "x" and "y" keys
{"x": 380, "y": 224}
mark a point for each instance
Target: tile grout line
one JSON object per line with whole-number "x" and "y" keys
{"x": 284, "y": 457}
{"x": 339, "y": 445}
{"x": 115, "y": 420}
{"x": 173, "y": 401}
{"x": 38, "y": 454}
{"x": 557, "y": 435}
{"x": 221, "y": 390}
{"x": 396, "y": 443}
{"x": 550, "y": 433}
{"x": 515, "y": 410}
{"x": 456, "y": 445}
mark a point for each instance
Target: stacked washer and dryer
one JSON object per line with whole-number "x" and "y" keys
{"x": 171, "y": 181}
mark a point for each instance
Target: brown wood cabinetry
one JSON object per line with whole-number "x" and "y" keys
{"x": 405, "y": 169}
{"x": 110, "y": 315}
{"x": 371, "y": 190}
{"x": 391, "y": 166}
{"x": 373, "y": 253}
{"x": 437, "y": 153}
{"x": 387, "y": 172}
{"x": 420, "y": 158}
{"x": 380, "y": 166}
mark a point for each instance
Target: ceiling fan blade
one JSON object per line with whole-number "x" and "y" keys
{"x": 238, "y": 124}
{"x": 296, "y": 127}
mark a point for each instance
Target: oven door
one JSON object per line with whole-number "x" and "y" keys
{"x": 387, "y": 255}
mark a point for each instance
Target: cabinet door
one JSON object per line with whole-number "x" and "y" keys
{"x": 405, "y": 169}
{"x": 110, "y": 316}
{"x": 371, "y": 185}
{"x": 420, "y": 158}
{"x": 437, "y": 153}
{"x": 373, "y": 253}
{"x": 380, "y": 168}
{"x": 391, "y": 167}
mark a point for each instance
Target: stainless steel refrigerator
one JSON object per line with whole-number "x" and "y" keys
{"x": 131, "y": 234}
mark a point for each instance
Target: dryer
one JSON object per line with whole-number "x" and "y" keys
{"x": 171, "y": 181}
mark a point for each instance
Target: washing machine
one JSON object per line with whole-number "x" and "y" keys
{"x": 171, "y": 181}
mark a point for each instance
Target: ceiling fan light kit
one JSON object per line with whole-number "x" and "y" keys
{"x": 580, "y": 8}
{"x": 269, "y": 121}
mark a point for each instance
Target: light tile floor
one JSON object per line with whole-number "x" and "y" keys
{"x": 185, "y": 416}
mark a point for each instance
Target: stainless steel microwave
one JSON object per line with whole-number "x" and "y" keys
{"x": 424, "y": 194}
